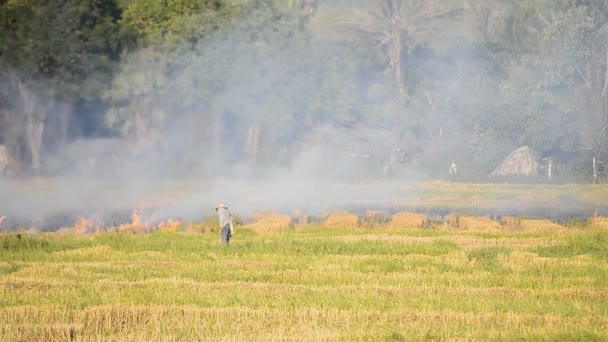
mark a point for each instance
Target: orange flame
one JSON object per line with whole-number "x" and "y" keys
{"x": 169, "y": 226}
{"x": 137, "y": 225}
{"x": 84, "y": 225}
{"x": 136, "y": 217}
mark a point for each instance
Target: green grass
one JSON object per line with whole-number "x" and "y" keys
{"x": 594, "y": 243}
{"x": 310, "y": 283}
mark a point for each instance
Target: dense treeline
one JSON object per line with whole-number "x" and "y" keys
{"x": 204, "y": 85}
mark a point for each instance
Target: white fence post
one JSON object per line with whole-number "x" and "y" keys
{"x": 594, "y": 171}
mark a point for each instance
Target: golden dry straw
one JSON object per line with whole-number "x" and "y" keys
{"x": 539, "y": 224}
{"x": 301, "y": 218}
{"x": 511, "y": 223}
{"x": 270, "y": 223}
{"x": 471, "y": 223}
{"x": 409, "y": 220}
{"x": 600, "y": 222}
{"x": 375, "y": 218}
{"x": 343, "y": 219}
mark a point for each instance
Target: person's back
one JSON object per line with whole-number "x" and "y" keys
{"x": 225, "y": 220}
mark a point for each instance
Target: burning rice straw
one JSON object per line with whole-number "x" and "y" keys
{"x": 136, "y": 225}
{"x": 136, "y": 217}
{"x": 342, "y": 219}
{"x": 270, "y": 223}
{"x": 84, "y": 226}
{"x": 409, "y": 220}
{"x": 169, "y": 226}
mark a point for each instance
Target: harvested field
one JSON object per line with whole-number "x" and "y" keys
{"x": 310, "y": 283}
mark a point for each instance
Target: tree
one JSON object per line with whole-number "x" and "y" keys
{"x": 167, "y": 34}
{"x": 53, "y": 55}
{"x": 399, "y": 27}
{"x": 242, "y": 89}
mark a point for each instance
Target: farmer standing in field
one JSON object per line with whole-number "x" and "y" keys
{"x": 225, "y": 219}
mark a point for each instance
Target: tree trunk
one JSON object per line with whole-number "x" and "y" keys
{"x": 63, "y": 120}
{"x": 253, "y": 141}
{"x": 34, "y": 124}
{"x": 605, "y": 91}
{"x": 13, "y": 138}
{"x": 395, "y": 62}
{"x": 55, "y": 133}
{"x": 218, "y": 134}
{"x": 34, "y": 130}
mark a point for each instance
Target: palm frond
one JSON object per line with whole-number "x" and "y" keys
{"x": 386, "y": 7}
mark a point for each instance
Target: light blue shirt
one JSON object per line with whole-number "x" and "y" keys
{"x": 224, "y": 216}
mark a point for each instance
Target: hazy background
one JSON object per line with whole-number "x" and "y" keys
{"x": 288, "y": 105}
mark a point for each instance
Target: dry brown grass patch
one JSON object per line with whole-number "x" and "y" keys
{"x": 301, "y": 218}
{"x": 539, "y": 224}
{"x": 409, "y": 220}
{"x": 516, "y": 223}
{"x": 47, "y": 332}
{"x": 476, "y": 242}
{"x": 375, "y": 219}
{"x": 270, "y": 223}
{"x": 343, "y": 219}
{"x": 471, "y": 223}
{"x": 511, "y": 223}
{"x": 600, "y": 222}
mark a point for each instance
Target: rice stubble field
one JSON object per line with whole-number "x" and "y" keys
{"x": 532, "y": 280}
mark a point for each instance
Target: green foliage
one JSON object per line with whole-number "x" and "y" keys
{"x": 578, "y": 336}
{"x": 15, "y": 242}
{"x": 590, "y": 243}
{"x": 175, "y": 26}
{"x": 28, "y": 247}
{"x": 487, "y": 257}
{"x": 167, "y": 35}
{"x": 263, "y": 72}
{"x": 55, "y": 57}
{"x": 69, "y": 44}
{"x": 9, "y": 268}
{"x": 468, "y": 81}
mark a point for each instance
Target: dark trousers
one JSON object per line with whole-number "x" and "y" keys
{"x": 226, "y": 234}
